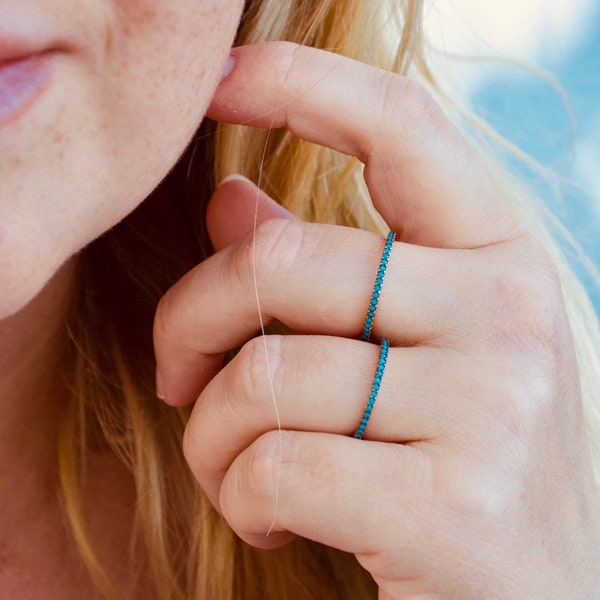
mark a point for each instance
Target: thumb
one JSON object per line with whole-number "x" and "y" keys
{"x": 234, "y": 209}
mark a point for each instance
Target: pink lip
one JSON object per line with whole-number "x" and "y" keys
{"x": 22, "y": 79}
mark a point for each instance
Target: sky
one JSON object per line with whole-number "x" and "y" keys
{"x": 560, "y": 37}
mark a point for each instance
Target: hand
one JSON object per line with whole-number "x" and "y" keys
{"x": 473, "y": 479}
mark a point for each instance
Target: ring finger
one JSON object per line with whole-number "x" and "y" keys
{"x": 304, "y": 386}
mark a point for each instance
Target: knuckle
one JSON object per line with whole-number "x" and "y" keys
{"x": 531, "y": 337}
{"x": 519, "y": 399}
{"x": 166, "y": 317}
{"x": 527, "y": 381}
{"x": 175, "y": 311}
{"x": 391, "y": 89}
{"x": 528, "y": 310}
{"x": 480, "y": 493}
{"x": 190, "y": 451}
{"x": 277, "y": 246}
{"x": 256, "y": 367}
{"x": 262, "y": 462}
{"x": 256, "y": 479}
{"x": 287, "y": 67}
{"x": 289, "y": 58}
{"x": 419, "y": 108}
{"x": 407, "y": 103}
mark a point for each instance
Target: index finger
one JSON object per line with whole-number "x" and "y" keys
{"x": 425, "y": 179}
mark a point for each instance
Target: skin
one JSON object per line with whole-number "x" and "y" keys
{"x": 474, "y": 478}
{"x": 131, "y": 81}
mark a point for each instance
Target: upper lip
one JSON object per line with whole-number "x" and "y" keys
{"x": 14, "y": 48}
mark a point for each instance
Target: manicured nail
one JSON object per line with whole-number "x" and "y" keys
{"x": 228, "y": 67}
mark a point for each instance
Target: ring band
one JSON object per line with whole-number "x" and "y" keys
{"x": 383, "y": 354}
{"x": 377, "y": 288}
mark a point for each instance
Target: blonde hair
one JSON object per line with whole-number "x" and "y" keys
{"x": 188, "y": 551}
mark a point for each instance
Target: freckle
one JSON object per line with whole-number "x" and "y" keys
{"x": 15, "y": 162}
{"x": 109, "y": 43}
{"x": 126, "y": 28}
{"x": 5, "y": 554}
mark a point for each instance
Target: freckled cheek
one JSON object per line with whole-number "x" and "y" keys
{"x": 178, "y": 33}
{"x": 164, "y": 59}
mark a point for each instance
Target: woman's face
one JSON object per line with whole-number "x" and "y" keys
{"x": 98, "y": 98}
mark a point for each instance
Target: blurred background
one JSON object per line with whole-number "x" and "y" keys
{"x": 519, "y": 51}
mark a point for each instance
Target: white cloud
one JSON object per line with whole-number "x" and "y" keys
{"x": 538, "y": 32}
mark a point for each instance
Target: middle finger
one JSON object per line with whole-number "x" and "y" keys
{"x": 315, "y": 279}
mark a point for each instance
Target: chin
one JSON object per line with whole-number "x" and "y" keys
{"x": 42, "y": 290}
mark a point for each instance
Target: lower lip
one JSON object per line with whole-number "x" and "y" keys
{"x": 21, "y": 81}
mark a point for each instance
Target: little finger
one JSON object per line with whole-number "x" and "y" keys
{"x": 318, "y": 485}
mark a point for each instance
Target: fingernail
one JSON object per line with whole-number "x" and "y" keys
{"x": 159, "y": 386}
{"x": 234, "y": 177}
{"x": 228, "y": 67}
